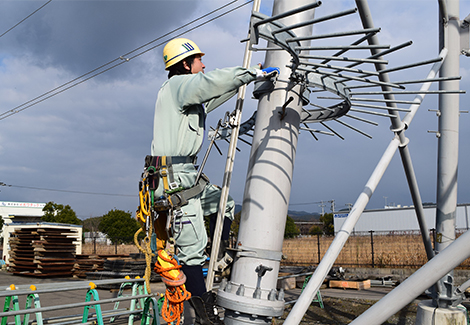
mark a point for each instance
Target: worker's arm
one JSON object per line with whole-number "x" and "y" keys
{"x": 212, "y": 88}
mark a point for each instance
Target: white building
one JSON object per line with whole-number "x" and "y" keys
{"x": 400, "y": 219}
{"x": 18, "y": 215}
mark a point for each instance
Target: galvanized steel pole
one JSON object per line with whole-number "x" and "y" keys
{"x": 251, "y": 295}
{"x": 399, "y": 128}
{"x": 448, "y": 138}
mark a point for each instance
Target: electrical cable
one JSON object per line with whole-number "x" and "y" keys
{"x": 68, "y": 191}
{"x": 26, "y": 17}
{"x": 77, "y": 81}
{"x": 122, "y": 57}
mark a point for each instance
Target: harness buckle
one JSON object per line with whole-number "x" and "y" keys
{"x": 173, "y": 186}
{"x": 163, "y": 171}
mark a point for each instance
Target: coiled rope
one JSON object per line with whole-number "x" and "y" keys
{"x": 168, "y": 268}
{"x": 147, "y": 250}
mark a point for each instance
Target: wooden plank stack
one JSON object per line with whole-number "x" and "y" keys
{"x": 87, "y": 263}
{"x": 42, "y": 252}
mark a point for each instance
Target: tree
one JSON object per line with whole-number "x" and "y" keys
{"x": 328, "y": 224}
{"x": 119, "y": 227}
{"x": 91, "y": 225}
{"x": 59, "y": 213}
{"x": 291, "y": 229}
{"x": 315, "y": 230}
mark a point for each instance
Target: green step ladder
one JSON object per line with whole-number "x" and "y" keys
{"x": 318, "y": 295}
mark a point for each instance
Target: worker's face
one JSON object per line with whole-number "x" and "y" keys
{"x": 197, "y": 65}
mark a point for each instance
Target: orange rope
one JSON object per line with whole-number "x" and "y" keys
{"x": 176, "y": 292}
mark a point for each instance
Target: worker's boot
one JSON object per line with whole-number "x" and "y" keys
{"x": 206, "y": 312}
{"x": 189, "y": 314}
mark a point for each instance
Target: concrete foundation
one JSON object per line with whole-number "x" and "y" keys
{"x": 430, "y": 315}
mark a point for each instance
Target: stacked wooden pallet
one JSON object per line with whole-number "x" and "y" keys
{"x": 42, "y": 252}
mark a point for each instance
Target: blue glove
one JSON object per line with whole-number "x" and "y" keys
{"x": 270, "y": 71}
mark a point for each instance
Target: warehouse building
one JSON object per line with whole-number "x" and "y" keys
{"x": 400, "y": 219}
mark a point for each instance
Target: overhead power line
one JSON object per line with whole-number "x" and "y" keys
{"x": 66, "y": 191}
{"x": 26, "y": 17}
{"x": 123, "y": 59}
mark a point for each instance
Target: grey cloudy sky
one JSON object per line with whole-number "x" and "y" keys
{"x": 93, "y": 137}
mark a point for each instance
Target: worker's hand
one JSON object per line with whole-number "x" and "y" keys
{"x": 267, "y": 73}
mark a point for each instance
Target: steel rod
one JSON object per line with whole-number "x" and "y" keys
{"x": 305, "y": 299}
{"x": 341, "y": 47}
{"x": 354, "y": 128}
{"x": 389, "y": 51}
{"x": 348, "y": 77}
{"x": 383, "y": 100}
{"x": 408, "y": 92}
{"x": 331, "y": 35}
{"x": 371, "y": 112}
{"x": 412, "y": 65}
{"x": 356, "y": 42}
{"x": 381, "y": 107}
{"x": 288, "y": 13}
{"x": 362, "y": 119}
{"x": 316, "y": 131}
{"x": 404, "y": 82}
{"x": 333, "y": 131}
{"x": 315, "y": 21}
{"x": 341, "y": 58}
{"x": 417, "y": 283}
{"x": 338, "y": 68}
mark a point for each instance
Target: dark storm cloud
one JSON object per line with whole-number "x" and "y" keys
{"x": 81, "y": 35}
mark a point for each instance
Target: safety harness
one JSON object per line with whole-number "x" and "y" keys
{"x": 156, "y": 216}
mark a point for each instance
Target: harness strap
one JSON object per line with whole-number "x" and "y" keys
{"x": 164, "y": 173}
{"x": 181, "y": 198}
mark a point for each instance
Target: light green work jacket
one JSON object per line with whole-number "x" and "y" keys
{"x": 182, "y": 103}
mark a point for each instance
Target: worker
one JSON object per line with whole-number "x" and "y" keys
{"x": 179, "y": 126}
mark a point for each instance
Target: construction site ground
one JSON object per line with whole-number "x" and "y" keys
{"x": 341, "y": 306}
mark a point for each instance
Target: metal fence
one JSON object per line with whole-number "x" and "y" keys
{"x": 404, "y": 249}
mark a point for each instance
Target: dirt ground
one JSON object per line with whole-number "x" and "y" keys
{"x": 339, "y": 311}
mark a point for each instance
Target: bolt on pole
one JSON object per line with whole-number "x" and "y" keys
{"x": 251, "y": 295}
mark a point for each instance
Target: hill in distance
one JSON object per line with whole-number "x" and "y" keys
{"x": 296, "y": 215}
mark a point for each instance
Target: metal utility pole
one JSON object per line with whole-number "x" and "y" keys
{"x": 251, "y": 295}
{"x": 448, "y": 142}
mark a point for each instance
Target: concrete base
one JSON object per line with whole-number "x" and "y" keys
{"x": 430, "y": 315}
